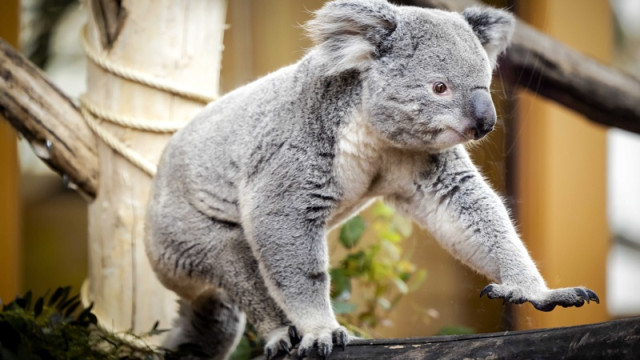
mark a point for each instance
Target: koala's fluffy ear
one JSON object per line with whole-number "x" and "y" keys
{"x": 351, "y": 33}
{"x": 493, "y": 27}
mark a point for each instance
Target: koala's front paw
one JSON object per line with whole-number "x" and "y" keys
{"x": 565, "y": 297}
{"x": 279, "y": 341}
{"x": 323, "y": 339}
{"x": 544, "y": 301}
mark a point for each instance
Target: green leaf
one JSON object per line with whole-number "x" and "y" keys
{"x": 340, "y": 284}
{"x": 382, "y": 210}
{"x": 356, "y": 264}
{"x": 402, "y": 225}
{"x": 340, "y": 307}
{"x": 37, "y": 308}
{"x": 72, "y": 307}
{"x": 242, "y": 351}
{"x": 352, "y": 231}
{"x": 64, "y": 303}
{"x": 384, "y": 303}
{"x": 401, "y": 285}
{"x": 61, "y": 294}
{"x": 25, "y": 301}
{"x": 84, "y": 316}
{"x": 393, "y": 250}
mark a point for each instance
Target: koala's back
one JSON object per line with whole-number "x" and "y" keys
{"x": 212, "y": 152}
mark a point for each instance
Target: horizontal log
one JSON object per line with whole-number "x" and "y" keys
{"x": 48, "y": 120}
{"x": 618, "y": 339}
{"x": 547, "y": 67}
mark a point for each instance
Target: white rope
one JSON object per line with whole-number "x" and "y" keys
{"x": 130, "y": 122}
{"x": 140, "y": 77}
{"x": 90, "y": 111}
{"x": 132, "y": 156}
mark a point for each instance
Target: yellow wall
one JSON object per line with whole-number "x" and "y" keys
{"x": 9, "y": 205}
{"x": 561, "y": 170}
{"x": 262, "y": 37}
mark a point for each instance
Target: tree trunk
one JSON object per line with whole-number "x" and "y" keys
{"x": 176, "y": 41}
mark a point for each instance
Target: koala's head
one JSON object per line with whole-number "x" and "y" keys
{"x": 426, "y": 73}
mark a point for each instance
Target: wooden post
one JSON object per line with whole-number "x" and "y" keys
{"x": 178, "y": 42}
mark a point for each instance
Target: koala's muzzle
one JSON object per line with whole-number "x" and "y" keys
{"x": 483, "y": 113}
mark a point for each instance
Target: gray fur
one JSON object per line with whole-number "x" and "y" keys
{"x": 245, "y": 193}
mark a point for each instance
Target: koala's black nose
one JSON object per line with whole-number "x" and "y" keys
{"x": 482, "y": 112}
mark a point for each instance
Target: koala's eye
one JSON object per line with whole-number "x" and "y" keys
{"x": 439, "y": 87}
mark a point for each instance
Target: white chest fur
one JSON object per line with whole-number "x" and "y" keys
{"x": 356, "y": 166}
{"x": 358, "y": 158}
{"x": 366, "y": 167}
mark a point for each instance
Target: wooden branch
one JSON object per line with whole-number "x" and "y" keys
{"x": 547, "y": 67}
{"x": 555, "y": 71}
{"x": 48, "y": 120}
{"x": 619, "y": 339}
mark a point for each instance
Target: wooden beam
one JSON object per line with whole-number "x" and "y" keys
{"x": 547, "y": 67}
{"x": 619, "y": 339}
{"x": 48, "y": 120}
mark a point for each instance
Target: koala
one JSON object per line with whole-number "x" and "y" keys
{"x": 380, "y": 107}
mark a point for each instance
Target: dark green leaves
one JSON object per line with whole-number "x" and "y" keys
{"x": 57, "y": 328}
{"x": 352, "y": 231}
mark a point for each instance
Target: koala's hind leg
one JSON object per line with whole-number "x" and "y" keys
{"x": 243, "y": 281}
{"x": 212, "y": 322}
{"x": 200, "y": 253}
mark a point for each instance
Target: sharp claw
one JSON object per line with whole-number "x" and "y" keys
{"x": 269, "y": 354}
{"x": 593, "y": 296}
{"x": 323, "y": 350}
{"x": 285, "y": 346}
{"x": 293, "y": 334}
{"x": 583, "y": 294}
{"x": 486, "y": 290}
{"x": 343, "y": 340}
{"x": 302, "y": 353}
{"x": 339, "y": 337}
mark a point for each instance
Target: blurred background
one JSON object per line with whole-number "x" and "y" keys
{"x": 572, "y": 186}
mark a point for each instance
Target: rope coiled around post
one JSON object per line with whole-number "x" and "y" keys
{"x": 91, "y": 111}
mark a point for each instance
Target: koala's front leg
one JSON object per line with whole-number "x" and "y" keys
{"x": 285, "y": 225}
{"x": 465, "y": 215}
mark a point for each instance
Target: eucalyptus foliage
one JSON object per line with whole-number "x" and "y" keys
{"x": 57, "y": 326}
{"x": 378, "y": 265}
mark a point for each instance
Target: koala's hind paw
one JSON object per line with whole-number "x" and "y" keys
{"x": 545, "y": 301}
{"x": 323, "y": 340}
{"x": 278, "y": 342}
